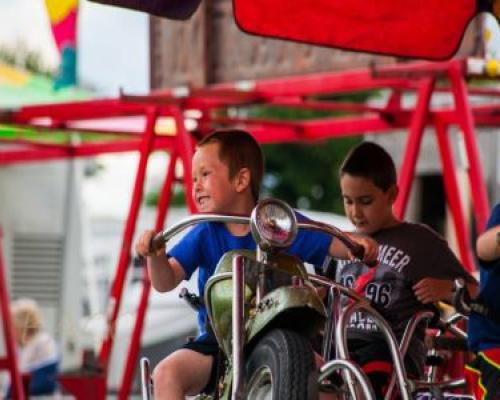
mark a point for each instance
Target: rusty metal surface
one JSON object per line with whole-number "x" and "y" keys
{"x": 210, "y": 48}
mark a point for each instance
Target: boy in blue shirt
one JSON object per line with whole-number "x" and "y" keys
{"x": 483, "y": 374}
{"x": 227, "y": 169}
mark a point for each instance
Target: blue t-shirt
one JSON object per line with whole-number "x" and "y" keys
{"x": 206, "y": 243}
{"x": 484, "y": 333}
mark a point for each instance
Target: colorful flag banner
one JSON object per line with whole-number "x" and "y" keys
{"x": 63, "y": 20}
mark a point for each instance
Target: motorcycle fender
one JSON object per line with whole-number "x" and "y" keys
{"x": 283, "y": 305}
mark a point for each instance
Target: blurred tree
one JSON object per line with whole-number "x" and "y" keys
{"x": 306, "y": 175}
{"x": 24, "y": 58}
{"x": 152, "y": 197}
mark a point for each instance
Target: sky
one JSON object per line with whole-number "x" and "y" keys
{"x": 112, "y": 43}
{"x": 113, "y": 54}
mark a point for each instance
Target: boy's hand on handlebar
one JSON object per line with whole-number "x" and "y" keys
{"x": 431, "y": 290}
{"x": 369, "y": 245}
{"x": 143, "y": 245}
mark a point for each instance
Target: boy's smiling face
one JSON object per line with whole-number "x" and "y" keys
{"x": 367, "y": 206}
{"x": 213, "y": 190}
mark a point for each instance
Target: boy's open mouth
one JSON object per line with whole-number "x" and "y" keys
{"x": 202, "y": 199}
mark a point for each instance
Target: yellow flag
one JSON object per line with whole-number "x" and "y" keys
{"x": 59, "y": 9}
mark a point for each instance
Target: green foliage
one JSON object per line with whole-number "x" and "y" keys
{"x": 306, "y": 176}
{"x": 24, "y": 58}
{"x": 152, "y": 197}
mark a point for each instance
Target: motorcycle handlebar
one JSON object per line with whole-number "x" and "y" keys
{"x": 356, "y": 249}
{"x": 161, "y": 238}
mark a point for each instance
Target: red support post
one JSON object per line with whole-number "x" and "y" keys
{"x": 185, "y": 146}
{"x": 135, "y": 343}
{"x": 466, "y": 123}
{"x": 417, "y": 126}
{"x": 119, "y": 281}
{"x": 453, "y": 196}
{"x": 10, "y": 361}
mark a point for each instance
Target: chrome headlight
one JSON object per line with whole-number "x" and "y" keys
{"x": 273, "y": 224}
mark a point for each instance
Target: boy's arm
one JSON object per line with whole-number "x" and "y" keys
{"x": 165, "y": 273}
{"x": 431, "y": 290}
{"x": 488, "y": 244}
{"x": 339, "y": 250}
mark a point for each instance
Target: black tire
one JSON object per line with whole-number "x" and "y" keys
{"x": 281, "y": 367}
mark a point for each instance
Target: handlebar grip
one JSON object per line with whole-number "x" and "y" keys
{"x": 461, "y": 298}
{"x": 157, "y": 243}
{"x": 358, "y": 251}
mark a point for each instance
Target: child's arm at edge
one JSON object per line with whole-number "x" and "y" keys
{"x": 488, "y": 244}
{"x": 431, "y": 290}
{"x": 339, "y": 250}
{"x": 165, "y": 273}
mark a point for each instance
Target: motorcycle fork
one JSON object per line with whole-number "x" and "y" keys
{"x": 238, "y": 317}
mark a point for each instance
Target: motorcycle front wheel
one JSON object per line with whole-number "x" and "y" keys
{"x": 281, "y": 367}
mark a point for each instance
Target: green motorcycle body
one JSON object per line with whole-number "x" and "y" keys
{"x": 286, "y": 304}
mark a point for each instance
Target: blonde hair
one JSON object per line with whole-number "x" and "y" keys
{"x": 27, "y": 318}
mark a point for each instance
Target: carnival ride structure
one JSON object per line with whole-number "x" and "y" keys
{"x": 194, "y": 112}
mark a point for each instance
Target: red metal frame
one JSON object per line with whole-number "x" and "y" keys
{"x": 413, "y": 144}
{"x": 304, "y": 92}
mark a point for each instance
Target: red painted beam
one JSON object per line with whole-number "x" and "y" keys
{"x": 316, "y": 84}
{"x": 90, "y": 109}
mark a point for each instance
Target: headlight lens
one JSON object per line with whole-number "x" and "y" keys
{"x": 274, "y": 224}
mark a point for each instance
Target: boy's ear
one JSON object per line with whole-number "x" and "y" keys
{"x": 393, "y": 193}
{"x": 242, "y": 179}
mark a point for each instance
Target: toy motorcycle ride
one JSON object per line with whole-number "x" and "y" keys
{"x": 264, "y": 309}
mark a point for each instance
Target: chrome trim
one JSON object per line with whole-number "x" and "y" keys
{"x": 354, "y": 247}
{"x": 146, "y": 381}
{"x": 445, "y": 325}
{"x": 405, "y": 343}
{"x": 342, "y": 289}
{"x": 238, "y": 326}
{"x": 327, "y": 369}
{"x": 263, "y": 242}
{"x": 341, "y": 342}
{"x": 445, "y": 385}
{"x": 168, "y": 233}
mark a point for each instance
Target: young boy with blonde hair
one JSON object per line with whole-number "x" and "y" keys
{"x": 227, "y": 169}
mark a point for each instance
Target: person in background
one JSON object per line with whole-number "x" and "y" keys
{"x": 483, "y": 374}
{"x": 38, "y": 356}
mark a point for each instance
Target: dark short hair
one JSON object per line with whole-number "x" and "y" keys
{"x": 371, "y": 161}
{"x": 238, "y": 149}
